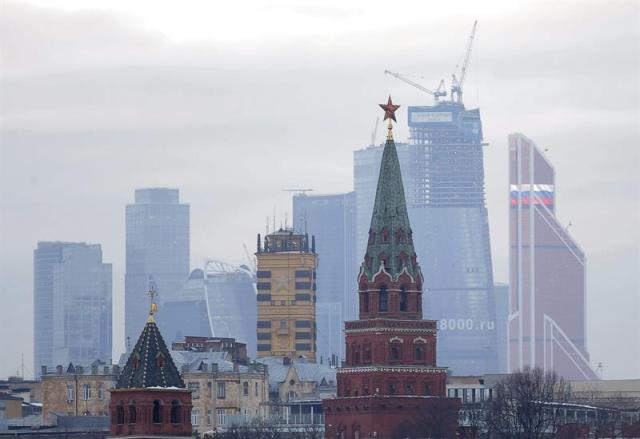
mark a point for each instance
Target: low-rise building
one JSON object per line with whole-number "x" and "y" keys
{"x": 29, "y": 390}
{"x": 297, "y": 388}
{"x": 237, "y": 350}
{"x": 10, "y": 406}
{"x": 223, "y": 392}
{"x": 78, "y": 390}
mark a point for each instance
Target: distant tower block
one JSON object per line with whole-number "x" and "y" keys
{"x": 286, "y": 295}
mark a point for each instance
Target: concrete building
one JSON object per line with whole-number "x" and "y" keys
{"x": 77, "y": 390}
{"x": 443, "y": 177}
{"x": 223, "y": 392}
{"x": 331, "y": 219}
{"x": 157, "y": 244}
{"x": 72, "y": 304}
{"x": 10, "y": 406}
{"x": 547, "y": 321}
{"x": 286, "y": 296}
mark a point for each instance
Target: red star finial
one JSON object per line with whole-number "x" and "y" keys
{"x": 389, "y": 110}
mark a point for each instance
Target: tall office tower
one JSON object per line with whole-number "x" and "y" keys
{"x": 390, "y": 381}
{"x": 220, "y": 304}
{"x": 157, "y": 250}
{"x": 547, "y": 269}
{"x": 286, "y": 296}
{"x": 443, "y": 176}
{"x": 331, "y": 219}
{"x": 501, "y": 299}
{"x": 72, "y": 304}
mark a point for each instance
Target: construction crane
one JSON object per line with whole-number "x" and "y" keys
{"x": 440, "y": 91}
{"x": 456, "y": 84}
{"x": 304, "y": 191}
{"x": 374, "y": 132}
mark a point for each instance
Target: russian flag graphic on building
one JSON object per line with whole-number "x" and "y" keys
{"x": 527, "y": 194}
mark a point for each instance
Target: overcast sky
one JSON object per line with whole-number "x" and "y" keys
{"x": 231, "y": 102}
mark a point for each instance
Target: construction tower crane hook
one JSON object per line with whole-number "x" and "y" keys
{"x": 436, "y": 94}
{"x": 456, "y": 84}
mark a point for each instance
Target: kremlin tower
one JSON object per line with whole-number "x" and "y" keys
{"x": 150, "y": 399}
{"x": 390, "y": 385}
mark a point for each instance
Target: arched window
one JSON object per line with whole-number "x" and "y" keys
{"x": 132, "y": 413}
{"x": 120, "y": 414}
{"x": 366, "y": 355}
{"x": 404, "y": 299}
{"x": 365, "y": 301}
{"x": 395, "y": 353}
{"x": 383, "y": 300}
{"x": 409, "y": 389}
{"x": 175, "y": 412}
{"x": 419, "y": 353}
{"x": 157, "y": 412}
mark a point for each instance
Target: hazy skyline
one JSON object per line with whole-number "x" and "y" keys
{"x": 233, "y": 103}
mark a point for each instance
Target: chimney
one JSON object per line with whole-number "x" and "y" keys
{"x": 59, "y": 369}
{"x": 43, "y": 370}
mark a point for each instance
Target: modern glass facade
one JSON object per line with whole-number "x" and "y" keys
{"x": 548, "y": 272}
{"x": 72, "y": 304}
{"x": 501, "y": 297}
{"x": 222, "y": 305}
{"x": 443, "y": 176}
{"x": 331, "y": 219}
{"x": 157, "y": 228}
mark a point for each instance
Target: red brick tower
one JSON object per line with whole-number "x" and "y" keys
{"x": 150, "y": 399}
{"x": 390, "y": 385}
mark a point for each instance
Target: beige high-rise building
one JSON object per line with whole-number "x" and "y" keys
{"x": 286, "y": 295}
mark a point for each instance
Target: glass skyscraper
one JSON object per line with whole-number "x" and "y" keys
{"x": 72, "y": 304}
{"x": 219, "y": 301}
{"x": 547, "y": 324}
{"x": 331, "y": 219}
{"x": 443, "y": 175}
{"x": 157, "y": 227}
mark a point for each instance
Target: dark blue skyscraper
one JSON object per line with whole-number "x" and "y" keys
{"x": 331, "y": 219}
{"x": 443, "y": 176}
{"x": 158, "y": 249}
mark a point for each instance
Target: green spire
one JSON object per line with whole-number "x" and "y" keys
{"x": 390, "y": 236}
